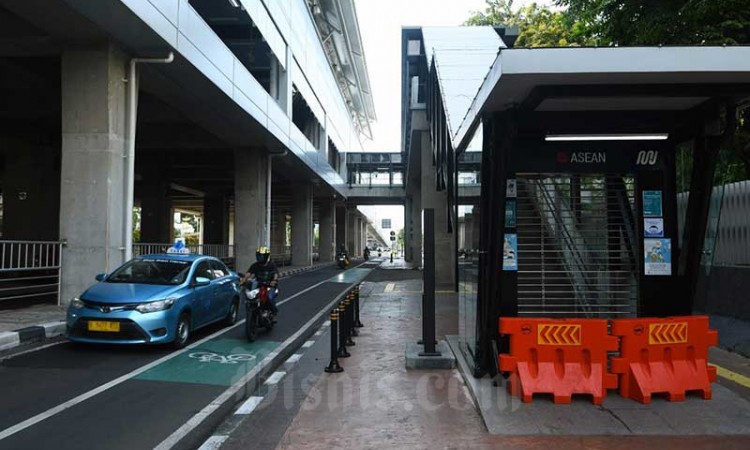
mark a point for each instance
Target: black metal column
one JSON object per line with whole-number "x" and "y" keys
{"x": 428, "y": 295}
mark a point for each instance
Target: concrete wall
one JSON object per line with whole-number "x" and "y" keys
{"x": 31, "y": 191}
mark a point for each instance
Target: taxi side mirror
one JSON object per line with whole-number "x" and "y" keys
{"x": 101, "y": 276}
{"x": 201, "y": 281}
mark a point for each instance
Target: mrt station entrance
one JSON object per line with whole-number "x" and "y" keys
{"x": 578, "y": 216}
{"x": 578, "y": 239}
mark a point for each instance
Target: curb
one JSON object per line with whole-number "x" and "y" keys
{"x": 194, "y": 432}
{"x": 286, "y": 273}
{"x": 12, "y": 339}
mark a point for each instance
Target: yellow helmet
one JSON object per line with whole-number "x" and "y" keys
{"x": 262, "y": 254}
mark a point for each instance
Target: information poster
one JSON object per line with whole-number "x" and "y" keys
{"x": 653, "y": 227}
{"x": 658, "y": 256}
{"x": 510, "y": 188}
{"x": 652, "y": 204}
{"x": 510, "y": 213}
{"x": 510, "y": 252}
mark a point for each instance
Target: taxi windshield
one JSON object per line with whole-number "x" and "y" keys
{"x": 151, "y": 271}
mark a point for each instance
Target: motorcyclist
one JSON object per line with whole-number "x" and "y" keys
{"x": 367, "y": 253}
{"x": 264, "y": 271}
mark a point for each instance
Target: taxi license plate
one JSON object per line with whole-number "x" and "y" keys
{"x": 106, "y": 326}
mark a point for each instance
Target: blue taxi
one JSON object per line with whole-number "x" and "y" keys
{"x": 154, "y": 299}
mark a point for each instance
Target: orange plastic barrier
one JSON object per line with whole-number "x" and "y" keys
{"x": 560, "y": 357}
{"x": 664, "y": 356}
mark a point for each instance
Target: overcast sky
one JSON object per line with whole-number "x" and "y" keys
{"x": 380, "y": 23}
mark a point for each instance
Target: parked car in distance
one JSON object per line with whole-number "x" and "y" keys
{"x": 155, "y": 299}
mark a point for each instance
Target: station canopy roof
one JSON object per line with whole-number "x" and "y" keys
{"x": 462, "y": 56}
{"x": 606, "y": 80}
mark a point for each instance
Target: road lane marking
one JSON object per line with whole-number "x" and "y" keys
{"x": 308, "y": 344}
{"x": 275, "y": 377}
{"x": 31, "y": 350}
{"x": 294, "y": 358}
{"x": 201, "y": 415}
{"x": 734, "y": 377}
{"x": 389, "y": 287}
{"x": 10, "y": 431}
{"x": 213, "y": 442}
{"x": 249, "y": 406}
{"x": 106, "y": 386}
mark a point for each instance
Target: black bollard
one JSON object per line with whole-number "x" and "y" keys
{"x": 333, "y": 366}
{"x": 343, "y": 353}
{"x": 352, "y": 316}
{"x": 349, "y": 322}
{"x": 357, "y": 322}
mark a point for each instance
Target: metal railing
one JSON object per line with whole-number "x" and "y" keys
{"x": 30, "y": 270}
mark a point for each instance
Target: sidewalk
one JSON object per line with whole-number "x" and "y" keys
{"x": 37, "y": 322}
{"x": 377, "y": 403}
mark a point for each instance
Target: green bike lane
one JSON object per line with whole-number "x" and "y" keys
{"x": 155, "y": 402}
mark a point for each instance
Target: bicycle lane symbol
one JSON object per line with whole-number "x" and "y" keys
{"x": 211, "y": 357}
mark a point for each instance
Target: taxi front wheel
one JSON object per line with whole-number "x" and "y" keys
{"x": 182, "y": 333}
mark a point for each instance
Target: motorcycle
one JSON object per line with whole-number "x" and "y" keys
{"x": 258, "y": 313}
{"x": 342, "y": 260}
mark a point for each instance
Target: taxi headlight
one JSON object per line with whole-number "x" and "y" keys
{"x": 159, "y": 305}
{"x": 77, "y": 303}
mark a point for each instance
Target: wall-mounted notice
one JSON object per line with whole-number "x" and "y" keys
{"x": 652, "y": 204}
{"x": 510, "y": 213}
{"x": 658, "y": 256}
{"x": 510, "y": 252}
{"x": 653, "y": 227}
{"x": 510, "y": 188}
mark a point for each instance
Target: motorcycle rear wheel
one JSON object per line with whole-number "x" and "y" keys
{"x": 251, "y": 326}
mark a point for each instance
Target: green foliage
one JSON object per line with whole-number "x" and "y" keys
{"x": 400, "y": 238}
{"x": 667, "y": 22}
{"x": 538, "y": 25}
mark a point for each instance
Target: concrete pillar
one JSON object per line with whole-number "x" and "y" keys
{"x": 302, "y": 226}
{"x": 341, "y": 227}
{"x": 156, "y": 205}
{"x": 445, "y": 244}
{"x": 278, "y": 231}
{"x": 413, "y": 227}
{"x": 351, "y": 227}
{"x": 215, "y": 218}
{"x": 363, "y": 236}
{"x": 252, "y": 185}
{"x": 92, "y": 189}
{"x": 327, "y": 230}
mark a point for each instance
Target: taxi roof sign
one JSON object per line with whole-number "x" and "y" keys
{"x": 178, "y": 248}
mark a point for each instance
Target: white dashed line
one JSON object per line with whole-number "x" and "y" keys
{"x": 308, "y": 344}
{"x": 294, "y": 358}
{"x": 213, "y": 442}
{"x": 275, "y": 378}
{"x": 249, "y": 406}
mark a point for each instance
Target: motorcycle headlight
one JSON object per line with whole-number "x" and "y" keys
{"x": 159, "y": 305}
{"x": 77, "y": 303}
{"x": 252, "y": 293}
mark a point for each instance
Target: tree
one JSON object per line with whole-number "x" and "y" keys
{"x": 666, "y": 22}
{"x": 673, "y": 22}
{"x": 538, "y": 25}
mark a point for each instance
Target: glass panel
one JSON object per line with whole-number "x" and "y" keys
{"x": 468, "y": 242}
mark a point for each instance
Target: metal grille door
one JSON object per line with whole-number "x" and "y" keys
{"x": 576, "y": 256}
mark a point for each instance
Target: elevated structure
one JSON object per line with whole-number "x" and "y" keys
{"x": 237, "y": 110}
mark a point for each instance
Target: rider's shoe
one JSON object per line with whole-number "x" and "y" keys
{"x": 273, "y": 318}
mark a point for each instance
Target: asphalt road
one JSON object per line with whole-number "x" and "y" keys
{"x": 135, "y": 397}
